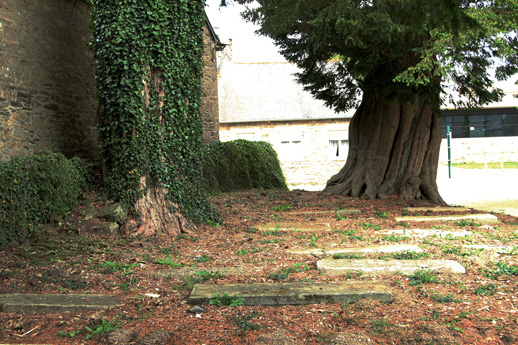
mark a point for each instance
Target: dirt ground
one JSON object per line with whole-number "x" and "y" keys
{"x": 479, "y": 307}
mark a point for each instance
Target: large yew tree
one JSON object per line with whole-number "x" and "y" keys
{"x": 391, "y": 60}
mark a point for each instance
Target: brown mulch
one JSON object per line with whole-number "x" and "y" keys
{"x": 455, "y": 309}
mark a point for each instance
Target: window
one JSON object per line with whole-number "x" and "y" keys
{"x": 480, "y": 123}
{"x": 290, "y": 146}
{"x": 338, "y": 149}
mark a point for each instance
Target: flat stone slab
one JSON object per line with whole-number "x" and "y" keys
{"x": 294, "y": 227}
{"x": 438, "y": 209}
{"x": 342, "y": 266}
{"x": 426, "y": 232}
{"x": 479, "y": 218}
{"x": 54, "y": 303}
{"x": 341, "y": 211}
{"x": 498, "y": 249}
{"x": 366, "y": 250}
{"x": 292, "y": 293}
{"x": 185, "y": 271}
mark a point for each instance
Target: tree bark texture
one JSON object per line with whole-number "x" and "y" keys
{"x": 393, "y": 150}
{"x": 157, "y": 215}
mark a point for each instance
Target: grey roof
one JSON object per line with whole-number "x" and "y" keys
{"x": 250, "y": 92}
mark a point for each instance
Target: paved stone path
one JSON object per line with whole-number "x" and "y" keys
{"x": 292, "y": 293}
{"x": 288, "y": 293}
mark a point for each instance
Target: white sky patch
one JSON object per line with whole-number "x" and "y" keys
{"x": 247, "y": 45}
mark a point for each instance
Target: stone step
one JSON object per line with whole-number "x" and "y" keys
{"x": 292, "y": 293}
{"x": 478, "y": 218}
{"x": 498, "y": 249}
{"x": 185, "y": 271}
{"x": 342, "y": 212}
{"x": 366, "y": 250}
{"x": 426, "y": 232}
{"x": 54, "y": 303}
{"x": 294, "y": 227}
{"x": 438, "y": 209}
{"x": 342, "y": 266}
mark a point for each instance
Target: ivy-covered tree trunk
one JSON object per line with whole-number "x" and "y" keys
{"x": 148, "y": 71}
{"x": 393, "y": 150}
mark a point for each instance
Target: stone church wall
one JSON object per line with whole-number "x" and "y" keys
{"x": 47, "y": 88}
{"x": 47, "y": 84}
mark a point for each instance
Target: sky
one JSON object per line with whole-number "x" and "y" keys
{"x": 247, "y": 46}
{"x": 250, "y": 47}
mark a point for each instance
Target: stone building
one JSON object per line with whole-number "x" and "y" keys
{"x": 47, "y": 85}
{"x": 209, "y": 103}
{"x": 262, "y": 101}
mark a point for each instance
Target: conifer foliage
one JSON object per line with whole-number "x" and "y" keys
{"x": 391, "y": 61}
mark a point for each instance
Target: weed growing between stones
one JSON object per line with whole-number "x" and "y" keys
{"x": 244, "y": 323}
{"x": 200, "y": 277}
{"x": 420, "y": 277}
{"x": 382, "y": 326}
{"x": 226, "y": 300}
{"x": 501, "y": 269}
{"x": 348, "y": 256}
{"x": 394, "y": 238}
{"x": 380, "y": 214}
{"x": 168, "y": 261}
{"x": 113, "y": 267}
{"x": 104, "y": 327}
{"x": 408, "y": 255}
{"x": 465, "y": 222}
{"x": 283, "y": 208}
{"x": 486, "y": 290}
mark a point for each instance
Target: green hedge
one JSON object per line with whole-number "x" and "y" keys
{"x": 241, "y": 164}
{"x": 36, "y": 189}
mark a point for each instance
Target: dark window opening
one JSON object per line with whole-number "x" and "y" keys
{"x": 481, "y": 123}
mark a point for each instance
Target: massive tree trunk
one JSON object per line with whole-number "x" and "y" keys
{"x": 157, "y": 214}
{"x": 393, "y": 150}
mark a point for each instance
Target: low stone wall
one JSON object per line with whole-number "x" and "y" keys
{"x": 480, "y": 150}
{"x": 312, "y": 163}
